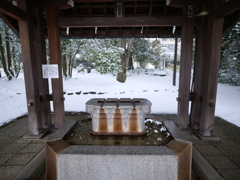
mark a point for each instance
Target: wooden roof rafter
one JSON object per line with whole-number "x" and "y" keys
{"x": 228, "y": 8}
{"x": 82, "y": 33}
{"x": 232, "y": 23}
{"x": 171, "y": 31}
{"x": 68, "y": 30}
{"x": 114, "y": 0}
{"x": 98, "y": 11}
{"x": 107, "y": 32}
{"x": 12, "y": 11}
{"x": 89, "y": 9}
{"x": 11, "y": 23}
{"x": 135, "y": 8}
{"x": 150, "y": 8}
{"x": 104, "y": 9}
{"x": 75, "y": 11}
{"x": 160, "y": 28}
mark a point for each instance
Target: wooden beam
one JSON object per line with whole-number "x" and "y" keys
{"x": 26, "y": 28}
{"x": 231, "y": 24}
{"x": 159, "y": 31}
{"x": 94, "y": 33}
{"x": 13, "y": 25}
{"x": 182, "y": 3}
{"x": 12, "y": 11}
{"x": 82, "y": 33}
{"x": 55, "y": 58}
{"x": 146, "y": 32}
{"x": 150, "y": 8}
{"x": 89, "y": 9}
{"x": 120, "y": 32}
{"x": 164, "y": 13}
{"x": 121, "y": 22}
{"x": 185, "y": 71}
{"x": 75, "y": 11}
{"x": 199, "y": 59}
{"x": 133, "y": 32}
{"x": 41, "y": 59}
{"x": 107, "y": 32}
{"x": 59, "y": 4}
{"x": 135, "y": 8}
{"x": 111, "y": 0}
{"x": 228, "y": 8}
{"x": 125, "y": 33}
{"x": 211, "y": 70}
{"x": 104, "y": 9}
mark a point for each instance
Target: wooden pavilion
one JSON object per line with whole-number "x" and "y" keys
{"x": 205, "y": 20}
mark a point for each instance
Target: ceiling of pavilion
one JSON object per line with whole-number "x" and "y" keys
{"x": 139, "y": 11}
{"x": 139, "y": 18}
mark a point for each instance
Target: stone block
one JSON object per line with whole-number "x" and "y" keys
{"x": 65, "y": 161}
{"x": 118, "y": 116}
{"x": 117, "y": 162}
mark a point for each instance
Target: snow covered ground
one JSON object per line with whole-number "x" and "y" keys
{"x": 158, "y": 89}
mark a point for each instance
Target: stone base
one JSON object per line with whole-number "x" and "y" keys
{"x": 118, "y": 163}
{"x": 31, "y": 136}
{"x": 213, "y": 137}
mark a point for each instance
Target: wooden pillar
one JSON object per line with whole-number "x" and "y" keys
{"x": 185, "y": 70}
{"x": 55, "y": 58}
{"x": 199, "y": 71}
{"x": 175, "y": 62}
{"x": 41, "y": 59}
{"x": 211, "y": 68}
{"x": 30, "y": 68}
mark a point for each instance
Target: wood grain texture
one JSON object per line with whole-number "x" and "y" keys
{"x": 30, "y": 68}
{"x": 41, "y": 59}
{"x": 185, "y": 71}
{"x": 211, "y": 69}
{"x": 55, "y": 58}
{"x": 200, "y": 58}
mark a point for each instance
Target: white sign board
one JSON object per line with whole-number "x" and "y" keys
{"x": 50, "y": 71}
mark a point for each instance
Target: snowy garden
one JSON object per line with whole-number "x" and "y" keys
{"x": 145, "y": 64}
{"x": 139, "y": 84}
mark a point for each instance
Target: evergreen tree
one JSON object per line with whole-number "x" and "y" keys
{"x": 230, "y": 58}
{"x": 104, "y": 55}
{"x": 10, "y": 51}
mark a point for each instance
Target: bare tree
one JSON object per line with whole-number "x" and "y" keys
{"x": 127, "y": 46}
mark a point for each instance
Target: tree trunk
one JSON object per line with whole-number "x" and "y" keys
{"x": 121, "y": 77}
{"x": 16, "y": 64}
{"x": 9, "y": 60}
{"x": 70, "y": 67}
{"x": 64, "y": 65}
{"x": 130, "y": 67}
{"x": 4, "y": 59}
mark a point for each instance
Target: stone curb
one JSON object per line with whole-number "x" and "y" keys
{"x": 34, "y": 169}
{"x": 202, "y": 168}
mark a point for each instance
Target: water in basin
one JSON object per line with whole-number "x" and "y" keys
{"x": 157, "y": 135}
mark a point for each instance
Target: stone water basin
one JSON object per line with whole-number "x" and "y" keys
{"x": 118, "y": 158}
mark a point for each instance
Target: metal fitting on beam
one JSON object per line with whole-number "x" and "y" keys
{"x": 190, "y": 11}
{"x": 30, "y": 104}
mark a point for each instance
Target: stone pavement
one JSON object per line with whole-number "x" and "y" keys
{"x": 24, "y": 158}
{"x": 223, "y": 155}
{"x": 16, "y": 152}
